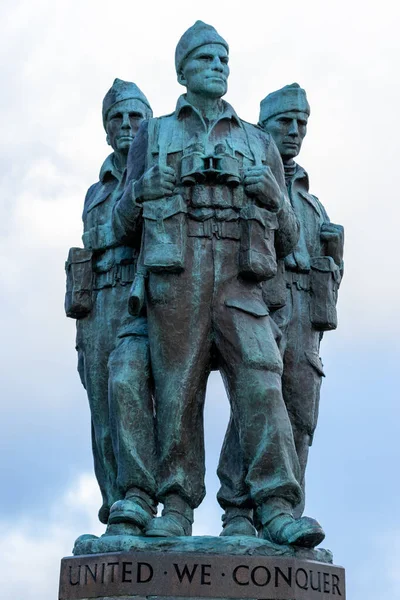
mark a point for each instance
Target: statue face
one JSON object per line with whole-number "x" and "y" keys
{"x": 205, "y": 71}
{"x": 288, "y": 130}
{"x": 123, "y": 121}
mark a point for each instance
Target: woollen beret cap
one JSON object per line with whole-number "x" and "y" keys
{"x": 122, "y": 90}
{"x": 289, "y": 98}
{"x": 196, "y": 36}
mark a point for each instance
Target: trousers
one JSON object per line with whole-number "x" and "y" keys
{"x": 301, "y": 383}
{"x": 121, "y": 411}
{"x": 208, "y": 313}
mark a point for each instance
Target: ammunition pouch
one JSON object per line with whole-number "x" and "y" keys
{"x": 257, "y": 257}
{"x": 275, "y": 289}
{"x": 324, "y": 284}
{"x": 164, "y": 234}
{"x": 78, "y": 297}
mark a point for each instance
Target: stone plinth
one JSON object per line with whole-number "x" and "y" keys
{"x": 204, "y": 567}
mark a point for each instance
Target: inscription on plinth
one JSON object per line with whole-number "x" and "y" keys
{"x": 128, "y": 574}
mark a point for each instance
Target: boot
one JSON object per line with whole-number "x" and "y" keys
{"x": 136, "y": 510}
{"x": 279, "y": 526}
{"x": 104, "y": 513}
{"x": 175, "y": 521}
{"x": 238, "y": 522}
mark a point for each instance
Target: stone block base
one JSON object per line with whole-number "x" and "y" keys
{"x": 204, "y": 567}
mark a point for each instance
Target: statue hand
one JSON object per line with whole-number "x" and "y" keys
{"x": 261, "y": 183}
{"x": 156, "y": 183}
{"x": 333, "y": 237}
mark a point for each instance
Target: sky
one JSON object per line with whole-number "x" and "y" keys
{"x": 58, "y": 59}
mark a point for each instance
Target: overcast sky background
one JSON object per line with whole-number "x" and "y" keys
{"x": 58, "y": 61}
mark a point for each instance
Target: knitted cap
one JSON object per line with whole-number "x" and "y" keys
{"x": 289, "y": 98}
{"x": 122, "y": 90}
{"x": 196, "y": 36}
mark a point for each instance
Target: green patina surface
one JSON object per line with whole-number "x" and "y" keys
{"x": 204, "y": 226}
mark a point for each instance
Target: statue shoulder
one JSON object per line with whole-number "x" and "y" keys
{"x": 255, "y": 133}
{"x": 90, "y": 195}
{"x": 304, "y": 191}
{"x": 255, "y": 129}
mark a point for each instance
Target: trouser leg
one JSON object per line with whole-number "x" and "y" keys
{"x": 265, "y": 434}
{"x": 234, "y": 491}
{"x": 96, "y": 377}
{"x": 96, "y": 337}
{"x": 131, "y": 415}
{"x": 301, "y": 381}
{"x": 180, "y": 393}
{"x": 179, "y": 321}
{"x": 251, "y": 367}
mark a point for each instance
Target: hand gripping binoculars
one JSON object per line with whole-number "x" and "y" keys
{"x": 218, "y": 168}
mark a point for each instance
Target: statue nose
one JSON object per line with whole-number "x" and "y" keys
{"x": 293, "y": 130}
{"x": 217, "y": 65}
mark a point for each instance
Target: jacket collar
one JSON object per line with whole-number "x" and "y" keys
{"x": 108, "y": 169}
{"x": 183, "y": 106}
{"x": 301, "y": 178}
{"x": 302, "y": 175}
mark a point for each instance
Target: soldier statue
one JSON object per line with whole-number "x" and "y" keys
{"x": 216, "y": 218}
{"x": 306, "y": 306}
{"x": 99, "y": 277}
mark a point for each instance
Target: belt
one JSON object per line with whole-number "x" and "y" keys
{"x": 211, "y": 227}
{"x": 118, "y": 274}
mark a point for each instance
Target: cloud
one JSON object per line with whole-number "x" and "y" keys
{"x": 31, "y": 550}
{"x": 58, "y": 60}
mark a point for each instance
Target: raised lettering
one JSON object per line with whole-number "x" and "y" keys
{"x": 305, "y": 585}
{"x": 185, "y": 572}
{"x": 77, "y": 582}
{"x": 287, "y": 579}
{"x": 326, "y": 583}
{"x": 335, "y": 586}
{"x": 93, "y": 575}
{"x": 205, "y": 574}
{"x": 140, "y": 567}
{"x": 235, "y": 575}
{"x": 318, "y": 588}
{"x": 126, "y": 572}
{"x": 112, "y": 565}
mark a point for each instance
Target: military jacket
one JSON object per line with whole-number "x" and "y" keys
{"x": 311, "y": 215}
{"x": 112, "y": 262}
{"x": 184, "y": 141}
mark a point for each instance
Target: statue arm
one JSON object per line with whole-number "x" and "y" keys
{"x": 287, "y": 235}
{"x": 332, "y": 239}
{"x": 88, "y": 199}
{"x": 126, "y": 217}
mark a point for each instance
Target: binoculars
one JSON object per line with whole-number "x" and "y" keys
{"x": 220, "y": 167}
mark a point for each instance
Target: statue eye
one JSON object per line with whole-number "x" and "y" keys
{"x": 117, "y": 116}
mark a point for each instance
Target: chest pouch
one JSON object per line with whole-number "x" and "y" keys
{"x": 78, "y": 296}
{"x": 164, "y": 234}
{"x": 257, "y": 257}
{"x": 324, "y": 284}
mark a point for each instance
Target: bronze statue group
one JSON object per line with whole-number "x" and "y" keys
{"x": 203, "y": 249}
